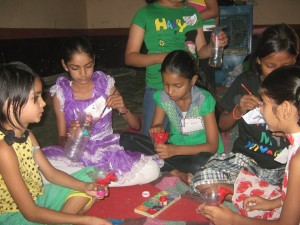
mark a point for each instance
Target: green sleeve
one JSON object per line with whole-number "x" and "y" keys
{"x": 208, "y": 104}
{"x": 157, "y": 98}
{"x": 140, "y": 18}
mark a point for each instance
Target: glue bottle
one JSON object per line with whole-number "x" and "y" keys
{"x": 216, "y": 59}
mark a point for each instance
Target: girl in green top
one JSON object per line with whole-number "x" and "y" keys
{"x": 194, "y": 133}
{"x": 164, "y": 26}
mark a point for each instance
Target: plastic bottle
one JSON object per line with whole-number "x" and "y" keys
{"x": 76, "y": 144}
{"x": 216, "y": 59}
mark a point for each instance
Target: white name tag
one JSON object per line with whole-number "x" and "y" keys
{"x": 191, "y": 125}
{"x": 97, "y": 107}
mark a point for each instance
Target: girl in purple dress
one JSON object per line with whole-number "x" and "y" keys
{"x": 86, "y": 92}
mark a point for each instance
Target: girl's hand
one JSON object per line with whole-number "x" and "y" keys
{"x": 248, "y": 102}
{"x": 222, "y": 38}
{"x": 73, "y": 130}
{"x": 257, "y": 203}
{"x": 219, "y": 215}
{"x": 199, "y": 209}
{"x": 156, "y": 129}
{"x": 164, "y": 151}
{"x": 91, "y": 190}
{"x": 161, "y": 56}
{"x": 116, "y": 101}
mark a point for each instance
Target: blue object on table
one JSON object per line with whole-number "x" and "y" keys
{"x": 115, "y": 221}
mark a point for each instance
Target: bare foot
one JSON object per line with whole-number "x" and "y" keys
{"x": 184, "y": 177}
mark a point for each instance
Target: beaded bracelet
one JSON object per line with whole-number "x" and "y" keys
{"x": 233, "y": 113}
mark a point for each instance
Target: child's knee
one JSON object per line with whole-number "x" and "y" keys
{"x": 78, "y": 204}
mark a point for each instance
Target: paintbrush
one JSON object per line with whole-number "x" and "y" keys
{"x": 248, "y": 91}
{"x": 106, "y": 105}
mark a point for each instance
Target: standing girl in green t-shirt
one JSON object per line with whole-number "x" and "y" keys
{"x": 164, "y": 26}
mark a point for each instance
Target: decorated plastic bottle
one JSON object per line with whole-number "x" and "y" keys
{"x": 77, "y": 143}
{"x": 216, "y": 59}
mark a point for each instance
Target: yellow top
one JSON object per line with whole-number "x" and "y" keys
{"x": 30, "y": 174}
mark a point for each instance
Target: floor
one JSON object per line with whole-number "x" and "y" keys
{"x": 130, "y": 83}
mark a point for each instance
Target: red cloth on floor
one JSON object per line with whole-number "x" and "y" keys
{"x": 122, "y": 200}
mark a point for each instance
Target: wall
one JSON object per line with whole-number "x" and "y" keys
{"x": 276, "y": 11}
{"x": 58, "y": 14}
{"x": 98, "y": 14}
{"x": 111, "y": 13}
{"x": 31, "y": 31}
{"x": 265, "y": 12}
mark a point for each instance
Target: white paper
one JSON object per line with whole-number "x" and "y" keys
{"x": 283, "y": 156}
{"x": 190, "y": 20}
{"x": 254, "y": 116}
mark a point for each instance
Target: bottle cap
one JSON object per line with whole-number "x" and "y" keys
{"x": 101, "y": 191}
{"x": 216, "y": 31}
{"x": 146, "y": 194}
{"x": 163, "y": 198}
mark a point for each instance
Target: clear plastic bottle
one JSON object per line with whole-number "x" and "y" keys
{"x": 77, "y": 143}
{"x": 216, "y": 59}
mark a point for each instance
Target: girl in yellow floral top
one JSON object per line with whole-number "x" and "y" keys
{"x": 23, "y": 197}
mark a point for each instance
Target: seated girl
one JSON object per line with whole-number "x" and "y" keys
{"x": 83, "y": 91}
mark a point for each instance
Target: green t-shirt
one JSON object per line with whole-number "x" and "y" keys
{"x": 202, "y": 103}
{"x": 165, "y": 30}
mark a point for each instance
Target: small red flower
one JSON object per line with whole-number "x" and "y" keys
{"x": 263, "y": 183}
{"x": 106, "y": 180}
{"x": 243, "y": 186}
{"x": 257, "y": 192}
{"x": 274, "y": 193}
{"x": 161, "y": 137}
{"x": 268, "y": 214}
{"x": 241, "y": 198}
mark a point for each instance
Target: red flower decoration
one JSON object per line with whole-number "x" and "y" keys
{"x": 222, "y": 193}
{"x": 161, "y": 137}
{"x": 106, "y": 180}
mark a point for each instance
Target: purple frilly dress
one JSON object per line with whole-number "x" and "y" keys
{"x": 103, "y": 147}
